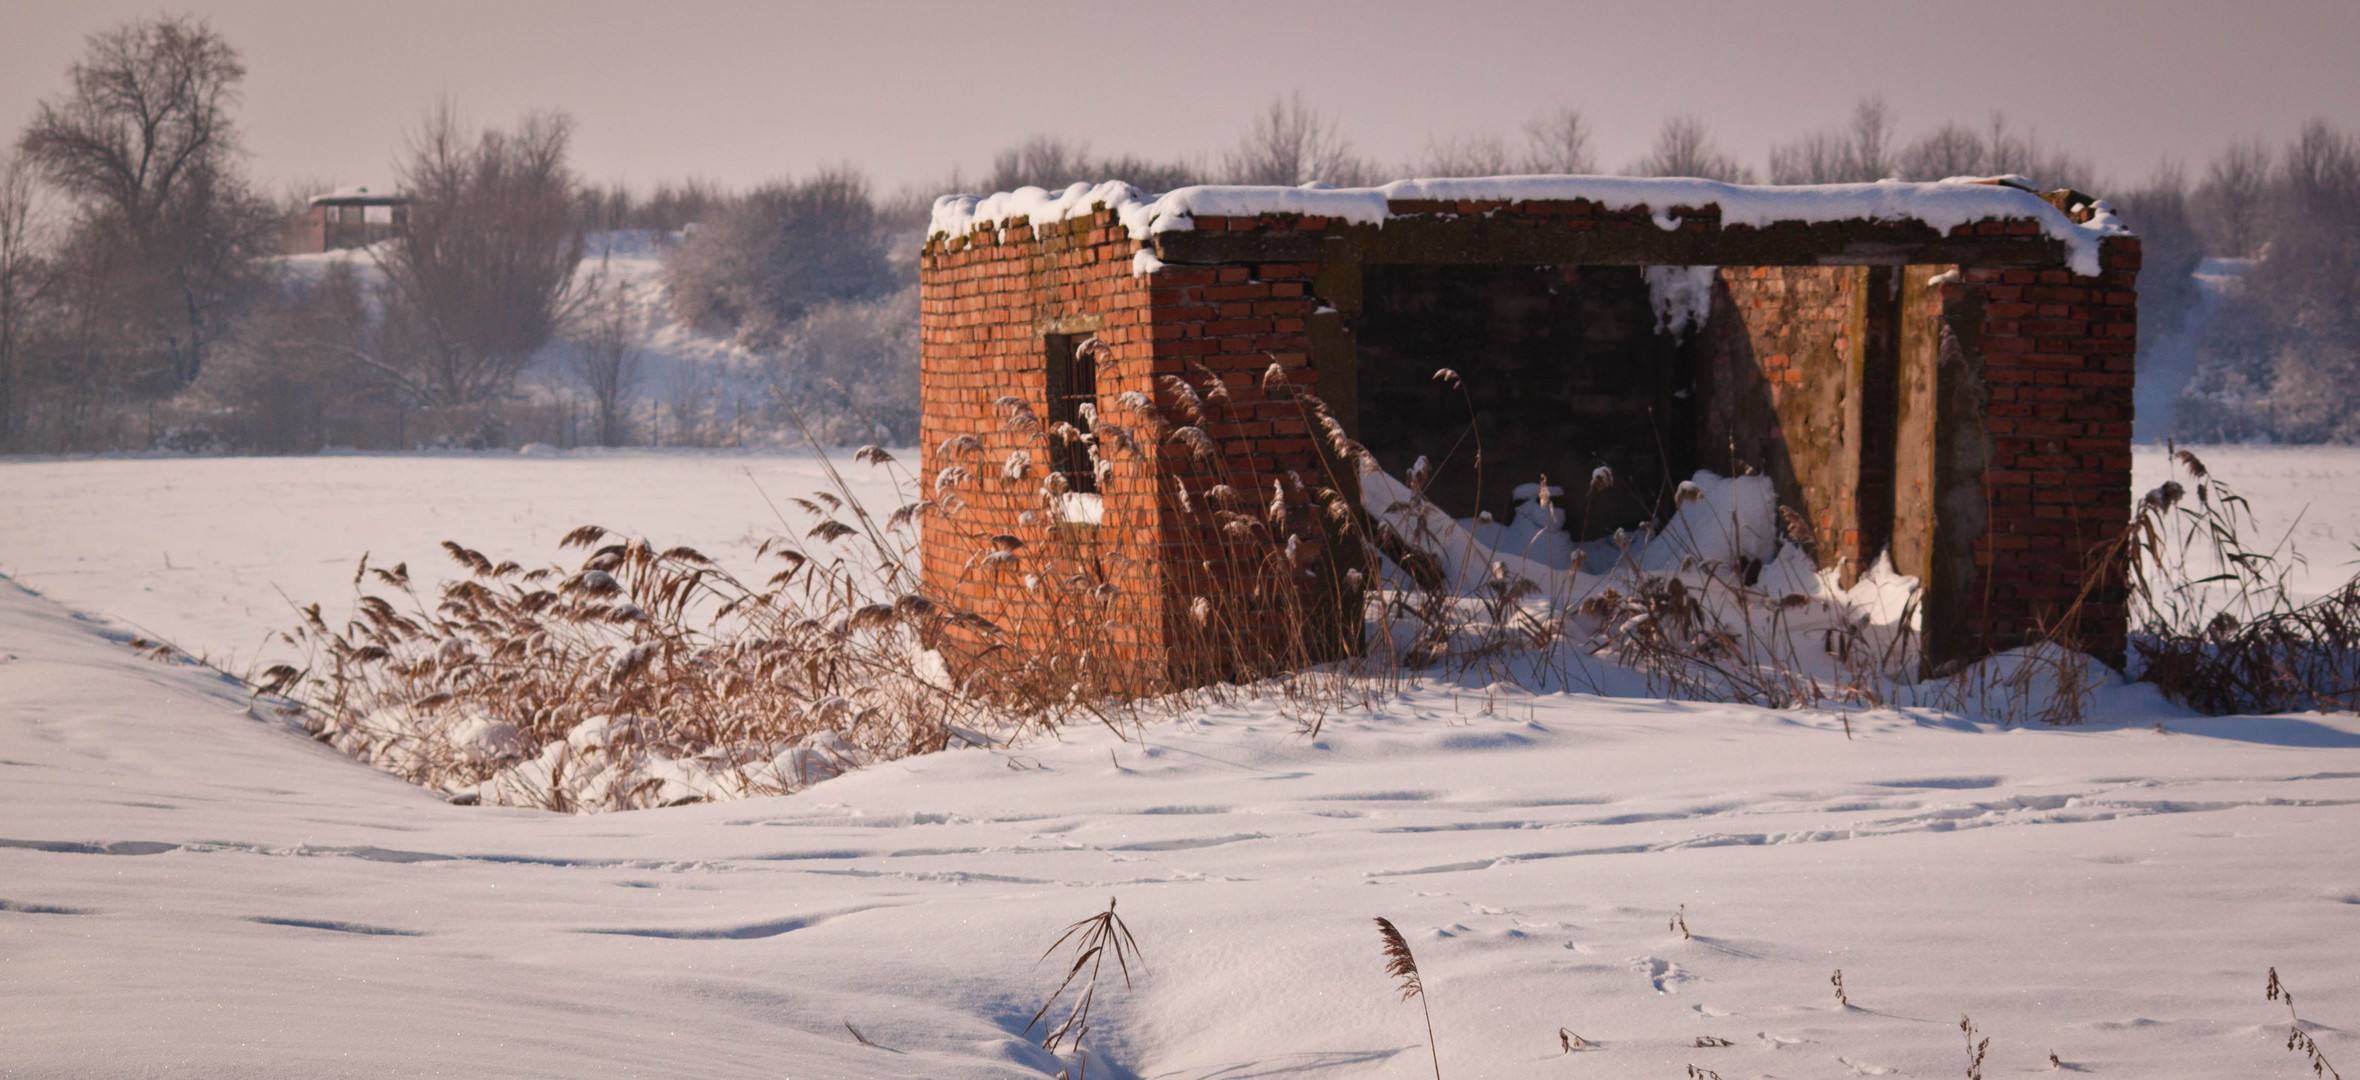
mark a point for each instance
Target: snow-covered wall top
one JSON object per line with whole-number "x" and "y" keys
{"x": 1941, "y": 205}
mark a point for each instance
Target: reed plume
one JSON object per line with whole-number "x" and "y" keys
{"x": 1399, "y": 964}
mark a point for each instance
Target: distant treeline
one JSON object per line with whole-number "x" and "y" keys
{"x": 142, "y": 305}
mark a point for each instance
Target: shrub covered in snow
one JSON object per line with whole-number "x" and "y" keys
{"x": 770, "y": 257}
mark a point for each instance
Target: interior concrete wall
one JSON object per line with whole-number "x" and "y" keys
{"x": 1918, "y": 352}
{"x": 1779, "y": 390}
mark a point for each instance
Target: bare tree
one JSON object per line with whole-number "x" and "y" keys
{"x": 2313, "y": 266}
{"x": 2282, "y": 356}
{"x": 285, "y": 381}
{"x": 1947, "y": 151}
{"x": 2023, "y": 155}
{"x": 1817, "y": 158}
{"x": 783, "y": 249}
{"x": 22, "y": 273}
{"x": 1149, "y": 175}
{"x": 1472, "y": 155}
{"x": 482, "y": 275}
{"x": 1047, "y": 161}
{"x": 1555, "y": 144}
{"x": 1685, "y": 148}
{"x": 1292, "y": 143}
{"x": 2322, "y": 172}
{"x": 1853, "y": 154}
{"x": 1956, "y": 150}
{"x": 607, "y": 354}
{"x": 1559, "y": 143}
{"x": 665, "y": 208}
{"x": 2158, "y": 212}
{"x": 145, "y": 142}
{"x": 148, "y": 112}
{"x": 1871, "y": 132}
{"x": 2230, "y": 204}
{"x": 1859, "y": 152}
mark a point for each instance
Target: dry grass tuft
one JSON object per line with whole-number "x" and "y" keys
{"x": 2297, "y": 1039}
{"x": 646, "y": 676}
{"x": 2218, "y": 631}
{"x": 1401, "y": 965}
{"x": 2212, "y": 623}
{"x": 1094, "y": 939}
{"x": 1975, "y": 1050}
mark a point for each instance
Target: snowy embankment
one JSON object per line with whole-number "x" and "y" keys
{"x": 187, "y": 890}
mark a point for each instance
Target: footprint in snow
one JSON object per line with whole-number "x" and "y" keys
{"x": 24, "y": 908}
{"x": 1777, "y": 1042}
{"x": 1664, "y": 975}
{"x": 1862, "y": 1068}
{"x": 335, "y": 926}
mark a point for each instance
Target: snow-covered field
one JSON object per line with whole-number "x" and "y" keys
{"x": 213, "y": 554}
{"x": 187, "y": 890}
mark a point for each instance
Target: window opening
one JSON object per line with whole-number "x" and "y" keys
{"x": 1073, "y": 401}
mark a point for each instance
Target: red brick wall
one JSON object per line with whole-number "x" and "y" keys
{"x": 985, "y": 300}
{"x": 2057, "y": 354}
{"x": 1228, "y": 326}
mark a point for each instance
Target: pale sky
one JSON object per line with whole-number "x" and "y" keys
{"x": 744, "y": 92}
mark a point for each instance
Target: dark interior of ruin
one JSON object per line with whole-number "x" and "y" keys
{"x": 1810, "y": 376}
{"x": 1562, "y": 370}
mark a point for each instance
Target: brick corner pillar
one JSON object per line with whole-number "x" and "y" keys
{"x": 1075, "y": 587}
{"x": 2046, "y": 357}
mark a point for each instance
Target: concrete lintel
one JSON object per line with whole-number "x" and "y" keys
{"x": 1068, "y": 324}
{"x": 1495, "y": 240}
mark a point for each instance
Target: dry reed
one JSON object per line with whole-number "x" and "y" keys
{"x": 2297, "y": 1039}
{"x": 1094, "y": 939}
{"x": 1401, "y": 965}
{"x": 647, "y": 676}
{"x": 2219, "y": 631}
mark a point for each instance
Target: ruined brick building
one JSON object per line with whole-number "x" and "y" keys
{"x": 343, "y": 219}
{"x": 1939, "y": 371}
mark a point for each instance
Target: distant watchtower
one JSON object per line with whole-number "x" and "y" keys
{"x": 345, "y": 218}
